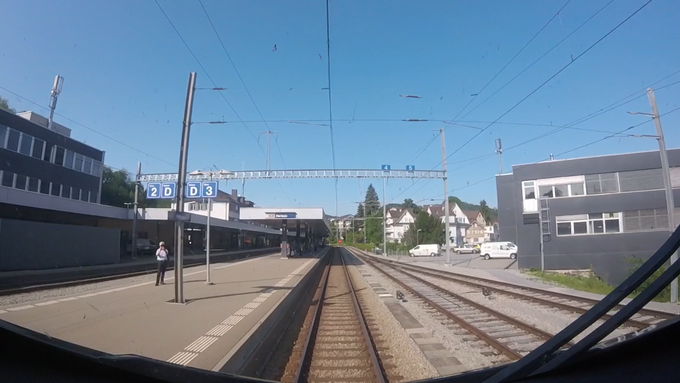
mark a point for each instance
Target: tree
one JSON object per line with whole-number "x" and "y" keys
{"x": 360, "y": 211}
{"x": 371, "y": 202}
{"x": 431, "y": 228}
{"x": 4, "y": 105}
{"x": 486, "y": 211}
{"x": 118, "y": 188}
{"x": 409, "y": 204}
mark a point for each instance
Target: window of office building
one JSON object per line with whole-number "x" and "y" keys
{"x": 643, "y": 220}
{"x": 56, "y": 189}
{"x": 33, "y": 184}
{"x": 84, "y": 195}
{"x": 640, "y": 180}
{"x": 59, "y": 154}
{"x": 68, "y": 160}
{"x": 48, "y": 152}
{"x": 65, "y": 191}
{"x": 38, "y": 146}
{"x": 93, "y": 197}
{"x": 20, "y": 182}
{"x": 7, "y": 178}
{"x": 87, "y": 166}
{"x": 602, "y": 183}
{"x": 75, "y": 193}
{"x": 597, "y": 223}
{"x": 44, "y": 187}
{"x": 26, "y": 144}
{"x": 3, "y": 134}
{"x": 13, "y": 140}
{"x": 79, "y": 163}
{"x": 96, "y": 169}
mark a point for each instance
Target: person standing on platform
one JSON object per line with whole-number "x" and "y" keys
{"x": 162, "y": 258}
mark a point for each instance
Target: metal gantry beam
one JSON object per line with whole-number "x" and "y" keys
{"x": 301, "y": 173}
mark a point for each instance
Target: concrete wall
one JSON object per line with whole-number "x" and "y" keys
{"x": 26, "y": 245}
{"x": 606, "y": 253}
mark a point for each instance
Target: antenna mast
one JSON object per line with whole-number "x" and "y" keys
{"x": 54, "y": 95}
{"x": 499, "y": 151}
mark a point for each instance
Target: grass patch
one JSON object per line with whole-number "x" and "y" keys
{"x": 591, "y": 283}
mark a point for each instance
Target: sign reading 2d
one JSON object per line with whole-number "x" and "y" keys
{"x": 206, "y": 189}
{"x": 161, "y": 190}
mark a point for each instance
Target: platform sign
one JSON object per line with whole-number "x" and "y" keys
{"x": 410, "y": 168}
{"x": 386, "y": 167}
{"x": 153, "y": 191}
{"x": 193, "y": 190}
{"x": 209, "y": 189}
{"x": 168, "y": 190}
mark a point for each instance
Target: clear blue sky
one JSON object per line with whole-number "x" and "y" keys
{"x": 126, "y": 73}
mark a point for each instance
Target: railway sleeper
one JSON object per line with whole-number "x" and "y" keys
{"x": 328, "y": 364}
{"x": 353, "y": 373}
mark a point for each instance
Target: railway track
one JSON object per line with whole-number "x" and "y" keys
{"x": 500, "y": 335}
{"x": 644, "y": 318}
{"x": 338, "y": 345}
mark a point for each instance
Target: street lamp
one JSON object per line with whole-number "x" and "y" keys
{"x": 670, "y": 204}
{"x": 417, "y": 236}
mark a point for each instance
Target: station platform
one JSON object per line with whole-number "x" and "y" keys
{"x": 143, "y": 263}
{"x": 140, "y": 318}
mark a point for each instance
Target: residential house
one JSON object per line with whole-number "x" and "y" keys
{"x": 458, "y": 221}
{"x": 224, "y": 206}
{"x": 491, "y": 233}
{"x": 401, "y": 225}
{"x": 475, "y": 234}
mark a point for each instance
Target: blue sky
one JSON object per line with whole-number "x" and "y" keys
{"x": 126, "y": 73}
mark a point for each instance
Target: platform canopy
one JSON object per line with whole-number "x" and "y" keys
{"x": 312, "y": 217}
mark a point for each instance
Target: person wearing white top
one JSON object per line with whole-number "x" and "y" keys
{"x": 162, "y": 258}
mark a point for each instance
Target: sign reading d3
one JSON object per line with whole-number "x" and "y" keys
{"x": 209, "y": 189}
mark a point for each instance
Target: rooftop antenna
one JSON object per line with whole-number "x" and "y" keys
{"x": 552, "y": 157}
{"x": 54, "y": 94}
{"x": 499, "y": 151}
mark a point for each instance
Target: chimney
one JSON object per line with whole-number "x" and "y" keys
{"x": 234, "y": 193}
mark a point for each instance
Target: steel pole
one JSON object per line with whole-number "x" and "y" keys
{"x": 384, "y": 218}
{"x": 207, "y": 246}
{"x": 670, "y": 203}
{"x": 134, "y": 212}
{"x": 181, "y": 183}
{"x": 447, "y": 226}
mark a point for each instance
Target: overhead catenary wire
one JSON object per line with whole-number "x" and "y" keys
{"x": 91, "y": 129}
{"x": 511, "y": 60}
{"x": 573, "y": 60}
{"x": 617, "y": 134}
{"x": 215, "y": 85}
{"x": 238, "y": 74}
{"x": 537, "y": 60}
{"x": 550, "y": 78}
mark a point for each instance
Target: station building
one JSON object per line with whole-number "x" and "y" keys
{"x": 50, "y": 211}
{"x": 597, "y": 212}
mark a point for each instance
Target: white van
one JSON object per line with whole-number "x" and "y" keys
{"x": 498, "y": 250}
{"x": 431, "y": 250}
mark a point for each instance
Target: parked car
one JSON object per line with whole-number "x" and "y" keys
{"x": 499, "y": 250}
{"x": 466, "y": 249}
{"x": 425, "y": 250}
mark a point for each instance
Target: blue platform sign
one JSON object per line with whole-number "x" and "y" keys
{"x": 193, "y": 190}
{"x": 410, "y": 168}
{"x": 209, "y": 189}
{"x": 168, "y": 190}
{"x": 386, "y": 167}
{"x": 153, "y": 191}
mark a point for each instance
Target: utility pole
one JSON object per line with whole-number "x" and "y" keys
{"x": 207, "y": 243}
{"x": 384, "y": 218}
{"x": 670, "y": 203}
{"x": 54, "y": 95}
{"x": 446, "y": 200}
{"x": 499, "y": 151}
{"x": 181, "y": 184}
{"x": 134, "y": 211}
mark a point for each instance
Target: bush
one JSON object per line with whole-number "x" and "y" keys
{"x": 634, "y": 264}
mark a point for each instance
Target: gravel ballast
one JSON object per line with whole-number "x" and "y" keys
{"x": 406, "y": 359}
{"x": 469, "y": 352}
